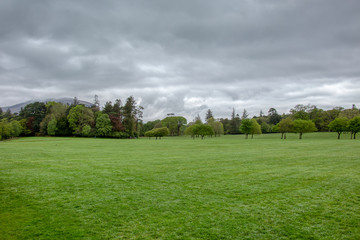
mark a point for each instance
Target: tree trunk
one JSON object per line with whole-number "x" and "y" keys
{"x": 284, "y": 135}
{"x": 339, "y": 135}
{"x": 300, "y": 135}
{"x": 354, "y": 135}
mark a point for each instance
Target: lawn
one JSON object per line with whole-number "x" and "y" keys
{"x": 180, "y": 188}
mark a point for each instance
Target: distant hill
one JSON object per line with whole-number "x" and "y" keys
{"x": 17, "y": 107}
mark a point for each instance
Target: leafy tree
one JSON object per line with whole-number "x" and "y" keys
{"x": 86, "y": 130}
{"x": 174, "y": 124}
{"x": 246, "y": 127}
{"x": 265, "y": 128}
{"x": 148, "y": 126}
{"x": 349, "y": 113}
{"x": 256, "y": 129}
{"x": 37, "y": 111}
{"x": 5, "y": 129}
{"x": 338, "y": 125}
{"x": 132, "y": 113}
{"x": 103, "y": 125}
{"x": 274, "y": 117}
{"x": 234, "y": 123}
{"x": 51, "y": 127}
{"x": 217, "y": 126}
{"x": 157, "y": 132}
{"x": 303, "y": 126}
{"x": 203, "y": 130}
{"x": 16, "y": 128}
{"x": 78, "y": 117}
{"x": 302, "y": 112}
{"x": 354, "y": 126}
{"x": 285, "y": 126}
{"x": 25, "y": 130}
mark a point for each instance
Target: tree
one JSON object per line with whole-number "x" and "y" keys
{"x": 245, "y": 114}
{"x": 246, "y": 127}
{"x": 285, "y": 126}
{"x": 37, "y": 111}
{"x": 338, "y": 125}
{"x": 303, "y": 126}
{"x": 132, "y": 113}
{"x": 16, "y": 128}
{"x": 234, "y": 123}
{"x": 103, "y": 125}
{"x": 209, "y": 115}
{"x": 354, "y": 126}
{"x": 157, "y": 132}
{"x": 174, "y": 124}
{"x": 256, "y": 129}
{"x": 274, "y": 117}
{"x": 203, "y": 130}
{"x": 51, "y": 127}
{"x": 217, "y": 126}
{"x": 80, "y": 116}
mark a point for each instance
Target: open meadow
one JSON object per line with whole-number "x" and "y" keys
{"x": 179, "y": 188}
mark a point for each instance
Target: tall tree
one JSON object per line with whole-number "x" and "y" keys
{"x": 132, "y": 114}
{"x": 209, "y": 115}
{"x": 103, "y": 125}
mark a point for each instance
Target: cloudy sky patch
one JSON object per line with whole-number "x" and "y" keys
{"x": 183, "y": 57}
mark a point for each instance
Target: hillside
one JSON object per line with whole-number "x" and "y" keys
{"x": 17, "y": 107}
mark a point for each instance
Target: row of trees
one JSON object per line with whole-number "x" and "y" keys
{"x": 125, "y": 121}
{"x": 57, "y": 119}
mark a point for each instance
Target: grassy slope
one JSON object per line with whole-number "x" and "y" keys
{"x": 179, "y": 188}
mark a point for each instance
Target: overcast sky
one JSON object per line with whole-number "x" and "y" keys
{"x": 183, "y": 57}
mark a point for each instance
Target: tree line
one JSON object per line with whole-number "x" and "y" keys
{"x": 117, "y": 120}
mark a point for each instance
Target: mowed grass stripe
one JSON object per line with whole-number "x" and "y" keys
{"x": 180, "y": 188}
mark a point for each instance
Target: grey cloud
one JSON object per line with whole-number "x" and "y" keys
{"x": 221, "y": 54}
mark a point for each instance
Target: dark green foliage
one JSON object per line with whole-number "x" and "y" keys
{"x": 338, "y": 125}
{"x": 354, "y": 126}
{"x": 36, "y": 111}
{"x": 103, "y": 125}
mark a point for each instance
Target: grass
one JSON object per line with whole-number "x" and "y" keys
{"x": 179, "y": 188}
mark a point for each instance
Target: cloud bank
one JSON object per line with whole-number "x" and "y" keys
{"x": 183, "y": 57}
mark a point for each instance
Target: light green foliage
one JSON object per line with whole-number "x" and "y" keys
{"x": 255, "y": 128}
{"x": 354, "y": 126}
{"x": 246, "y": 127}
{"x": 174, "y": 124}
{"x": 285, "y": 126}
{"x": 78, "y": 117}
{"x": 103, "y": 125}
{"x": 199, "y": 130}
{"x": 157, "y": 132}
{"x": 51, "y": 127}
{"x": 303, "y": 126}
{"x": 25, "y": 130}
{"x": 16, "y": 128}
{"x": 86, "y": 131}
{"x": 338, "y": 125}
{"x": 221, "y": 188}
{"x": 217, "y": 126}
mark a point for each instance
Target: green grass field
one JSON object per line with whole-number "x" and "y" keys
{"x": 179, "y": 188}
